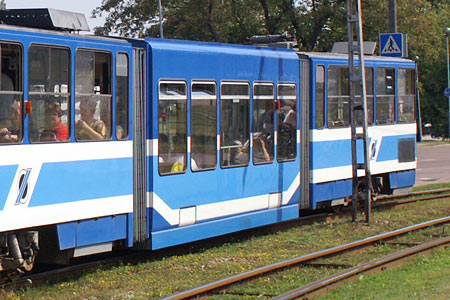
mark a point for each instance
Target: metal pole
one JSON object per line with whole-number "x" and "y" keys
{"x": 418, "y": 111}
{"x": 447, "y": 33}
{"x": 350, "y": 35}
{"x": 392, "y": 16}
{"x": 361, "y": 187}
{"x": 161, "y": 33}
{"x": 448, "y": 81}
{"x": 362, "y": 71}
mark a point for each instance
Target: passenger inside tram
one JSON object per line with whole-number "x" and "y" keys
{"x": 10, "y": 130}
{"x": 89, "y": 128}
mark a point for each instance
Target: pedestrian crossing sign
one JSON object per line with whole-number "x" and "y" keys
{"x": 393, "y": 44}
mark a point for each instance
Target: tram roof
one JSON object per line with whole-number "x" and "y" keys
{"x": 340, "y": 56}
{"x": 62, "y": 34}
{"x": 45, "y": 18}
{"x": 200, "y": 46}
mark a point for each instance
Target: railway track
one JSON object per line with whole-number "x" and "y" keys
{"x": 386, "y": 201}
{"x": 323, "y": 285}
{"x": 411, "y": 197}
{"x": 308, "y": 258}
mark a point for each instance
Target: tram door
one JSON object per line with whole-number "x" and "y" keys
{"x": 140, "y": 233}
{"x": 305, "y": 108}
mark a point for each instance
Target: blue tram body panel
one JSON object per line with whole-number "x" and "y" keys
{"x": 223, "y": 196}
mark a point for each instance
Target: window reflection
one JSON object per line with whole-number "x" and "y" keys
{"x": 385, "y": 100}
{"x": 234, "y": 124}
{"x": 122, "y": 96}
{"x": 263, "y": 123}
{"x": 369, "y": 97}
{"x": 92, "y": 95}
{"x": 49, "y": 91}
{"x": 287, "y": 122}
{"x": 406, "y": 95}
{"x": 172, "y": 123}
{"x": 338, "y": 109}
{"x": 320, "y": 96}
{"x": 203, "y": 126}
{"x": 11, "y": 93}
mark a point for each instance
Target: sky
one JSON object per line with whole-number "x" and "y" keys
{"x": 80, "y": 6}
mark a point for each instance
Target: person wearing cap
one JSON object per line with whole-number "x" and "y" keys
{"x": 89, "y": 128}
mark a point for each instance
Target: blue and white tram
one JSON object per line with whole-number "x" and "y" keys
{"x": 390, "y": 85}
{"x": 109, "y": 142}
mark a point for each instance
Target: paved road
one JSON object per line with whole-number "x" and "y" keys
{"x": 433, "y": 163}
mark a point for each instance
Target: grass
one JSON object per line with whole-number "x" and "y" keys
{"x": 433, "y": 186}
{"x": 426, "y": 277}
{"x": 172, "y": 270}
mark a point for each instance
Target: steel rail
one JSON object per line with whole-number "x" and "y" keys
{"x": 317, "y": 286}
{"x": 300, "y": 259}
{"x": 386, "y": 202}
{"x": 436, "y": 191}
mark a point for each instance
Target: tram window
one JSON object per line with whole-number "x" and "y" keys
{"x": 234, "y": 124}
{"x": 320, "y": 96}
{"x": 203, "y": 126}
{"x": 406, "y": 95}
{"x": 122, "y": 96}
{"x": 287, "y": 122}
{"x": 338, "y": 110}
{"x": 385, "y": 100}
{"x": 172, "y": 121}
{"x": 369, "y": 97}
{"x": 263, "y": 123}
{"x": 92, "y": 95}
{"x": 11, "y": 93}
{"x": 49, "y": 91}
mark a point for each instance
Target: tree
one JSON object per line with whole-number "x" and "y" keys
{"x": 230, "y": 21}
{"x": 423, "y": 21}
{"x": 209, "y": 20}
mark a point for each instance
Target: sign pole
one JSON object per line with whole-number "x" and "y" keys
{"x": 448, "y": 85}
{"x": 447, "y": 33}
{"x": 161, "y": 32}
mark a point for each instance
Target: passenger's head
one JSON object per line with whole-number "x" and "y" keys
{"x": 87, "y": 107}
{"x": 54, "y": 109}
{"x": 53, "y": 113}
{"x": 16, "y": 111}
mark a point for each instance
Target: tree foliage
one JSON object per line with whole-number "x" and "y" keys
{"x": 314, "y": 24}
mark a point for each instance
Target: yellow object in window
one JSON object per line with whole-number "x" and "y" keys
{"x": 177, "y": 167}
